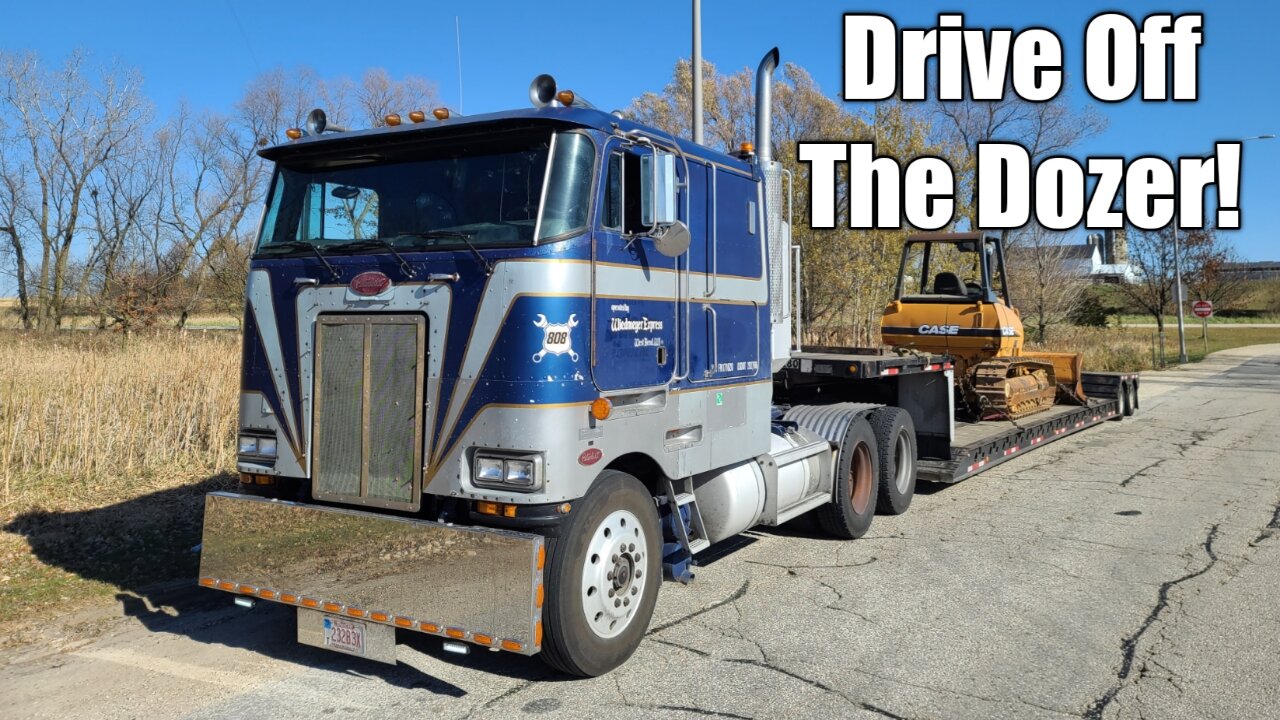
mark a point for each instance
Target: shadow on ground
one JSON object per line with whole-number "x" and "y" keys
{"x": 146, "y": 547}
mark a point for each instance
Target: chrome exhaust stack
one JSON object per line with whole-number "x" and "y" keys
{"x": 764, "y": 106}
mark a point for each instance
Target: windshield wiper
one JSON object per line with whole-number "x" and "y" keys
{"x": 465, "y": 237}
{"x": 303, "y": 245}
{"x": 379, "y": 242}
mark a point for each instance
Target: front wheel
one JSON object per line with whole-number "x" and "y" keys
{"x": 603, "y": 573}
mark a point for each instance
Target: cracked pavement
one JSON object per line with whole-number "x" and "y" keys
{"x": 1127, "y": 571}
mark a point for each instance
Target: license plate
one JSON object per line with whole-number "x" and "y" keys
{"x": 345, "y": 635}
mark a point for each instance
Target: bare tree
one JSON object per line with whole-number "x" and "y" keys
{"x": 1151, "y": 255}
{"x": 70, "y": 126}
{"x": 1044, "y": 286}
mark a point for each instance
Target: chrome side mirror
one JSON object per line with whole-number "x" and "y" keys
{"x": 673, "y": 240}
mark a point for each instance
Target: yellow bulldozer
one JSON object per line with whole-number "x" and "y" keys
{"x": 952, "y": 298}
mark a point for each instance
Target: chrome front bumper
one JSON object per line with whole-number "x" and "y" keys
{"x": 479, "y": 585}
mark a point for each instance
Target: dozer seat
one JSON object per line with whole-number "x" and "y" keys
{"x": 948, "y": 283}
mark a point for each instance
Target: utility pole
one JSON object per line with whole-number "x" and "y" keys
{"x": 697, "y": 71}
{"x": 1177, "y": 272}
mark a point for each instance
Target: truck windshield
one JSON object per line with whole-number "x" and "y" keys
{"x": 496, "y": 191}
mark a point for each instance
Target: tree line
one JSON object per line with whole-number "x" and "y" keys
{"x": 111, "y": 212}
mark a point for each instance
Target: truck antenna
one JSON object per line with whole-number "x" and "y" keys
{"x": 457, "y": 37}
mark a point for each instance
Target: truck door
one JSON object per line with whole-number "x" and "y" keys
{"x": 728, "y": 289}
{"x": 634, "y": 286}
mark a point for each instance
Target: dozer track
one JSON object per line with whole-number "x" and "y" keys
{"x": 1010, "y": 388}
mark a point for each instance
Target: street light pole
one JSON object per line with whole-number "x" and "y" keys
{"x": 1177, "y": 273}
{"x": 697, "y": 71}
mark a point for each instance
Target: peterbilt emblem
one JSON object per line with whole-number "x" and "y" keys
{"x": 370, "y": 283}
{"x": 556, "y": 339}
{"x": 590, "y": 456}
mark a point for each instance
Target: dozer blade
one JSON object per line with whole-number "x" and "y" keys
{"x": 1067, "y": 369}
{"x": 1010, "y": 388}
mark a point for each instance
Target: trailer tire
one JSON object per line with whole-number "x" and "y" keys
{"x": 857, "y": 480}
{"x": 1126, "y": 399}
{"x": 1133, "y": 397}
{"x": 896, "y": 440}
{"x": 573, "y": 642}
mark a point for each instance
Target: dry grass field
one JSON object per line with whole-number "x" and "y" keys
{"x": 106, "y": 448}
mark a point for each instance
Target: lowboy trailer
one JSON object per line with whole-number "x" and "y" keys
{"x": 504, "y": 374}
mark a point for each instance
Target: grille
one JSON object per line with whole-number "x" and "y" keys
{"x": 368, "y": 410}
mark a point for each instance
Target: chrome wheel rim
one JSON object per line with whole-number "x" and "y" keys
{"x": 901, "y": 449}
{"x": 613, "y": 573}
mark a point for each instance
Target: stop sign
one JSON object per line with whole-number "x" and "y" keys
{"x": 1202, "y": 308}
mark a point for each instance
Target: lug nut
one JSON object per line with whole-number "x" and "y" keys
{"x": 617, "y": 602}
{"x": 632, "y": 547}
{"x": 627, "y": 602}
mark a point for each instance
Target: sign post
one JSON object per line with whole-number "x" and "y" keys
{"x": 1203, "y": 309}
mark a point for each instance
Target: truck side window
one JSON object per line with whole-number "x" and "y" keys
{"x": 613, "y": 193}
{"x": 622, "y": 208}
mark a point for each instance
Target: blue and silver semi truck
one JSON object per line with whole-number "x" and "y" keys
{"x": 503, "y": 374}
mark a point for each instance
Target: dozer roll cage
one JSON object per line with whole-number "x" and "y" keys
{"x": 993, "y": 251}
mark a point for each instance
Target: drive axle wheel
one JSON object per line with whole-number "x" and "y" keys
{"x": 896, "y": 439}
{"x": 602, "y": 578}
{"x": 857, "y": 482}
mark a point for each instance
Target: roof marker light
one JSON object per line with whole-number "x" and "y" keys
{"x": 392, "y": 120}
{"x": 293, "y": 134}
{"x": 417, "y": 116}
{"x": 441, "y": 113}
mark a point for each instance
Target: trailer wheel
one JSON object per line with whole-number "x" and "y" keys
{"x": 896, "y": 439}
{"x": 1126, "y": 400}
{"x": 602, "y": 578}
{"x": 856, "y": 483}
{"x": 1133, "y": 397}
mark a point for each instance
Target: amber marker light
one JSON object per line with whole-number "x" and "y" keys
{"x": 288, "y": 598}
{"x": 456, "y": 633}
{"x": 224, "y": 585}
{"x": 332, "y": 607}
{"x": 379, "y": 616}
{"x": 403, "y": 622}
{"x": 208, "y": 582}
{"x": 601, "y": 408}
{"x": 392, "y": 120}
{"x": 747, "y": 148}
{"x": 482, "y": 639}
{"x": 565, "y": 97}
{"x": 429, "y": 627}
{"x": 417, "y": 116}
{"x": 441, "y": 113}
{"x": 512, "y": 645}
{"x": 293, "y": 134}
{"x": 308, "y": 602}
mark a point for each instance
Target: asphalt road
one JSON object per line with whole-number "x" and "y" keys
{"x": 1128, "y": 571}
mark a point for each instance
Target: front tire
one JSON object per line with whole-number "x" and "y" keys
{"x": 857, "y": 481}
{"x": 602, "y": 578}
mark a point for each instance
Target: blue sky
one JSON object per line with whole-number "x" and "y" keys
{"x": 206, "y": 53}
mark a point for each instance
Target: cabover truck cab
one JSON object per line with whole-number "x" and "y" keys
{"x": 502, "y": 374}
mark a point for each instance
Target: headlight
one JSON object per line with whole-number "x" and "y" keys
{"x": 521, "y": 472}
{"x": 488, "y": 470}
{"x": 257, "y": 445}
